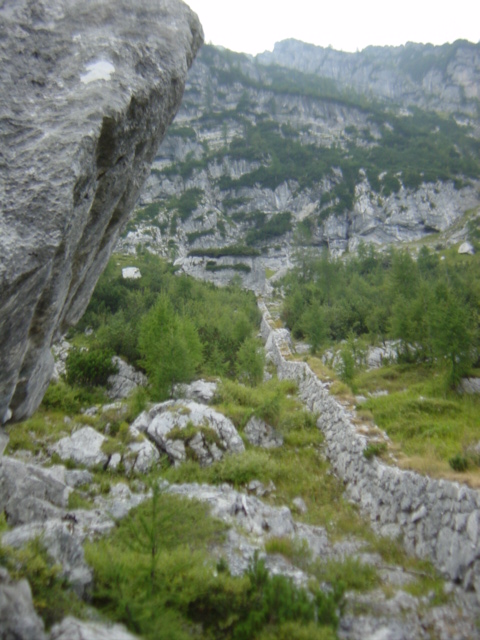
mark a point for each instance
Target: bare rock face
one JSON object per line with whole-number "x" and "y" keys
{"x": 18, "y": 616}
{"x": 88, "y": 90}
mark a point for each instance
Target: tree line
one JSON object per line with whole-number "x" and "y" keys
{"x": 170, "y": 326}
{"x": 430, "y": 304}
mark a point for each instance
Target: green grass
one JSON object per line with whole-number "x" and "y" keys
{"x": 351, "y": 572}
{"x": 429, "y": 423}
{"x": 298, "y": 468}
{"x": 154, "y": 574}
{"x": 38, "y": 432}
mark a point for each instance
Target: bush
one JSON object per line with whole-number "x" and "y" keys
{"x": 375, "y": 449}
{"x": 89, "y": 368}
{"x": 458, "y": 463}
{"x": 61, "y": 397}
{"x": 154, "y": 575}
{"x": 250, "y": 362}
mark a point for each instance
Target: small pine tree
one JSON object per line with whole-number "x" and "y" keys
{"x": 170, "y": 347}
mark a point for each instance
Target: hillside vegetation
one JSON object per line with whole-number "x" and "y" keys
{"x": 428, "y": 308}
{"x": 156, "y": 572}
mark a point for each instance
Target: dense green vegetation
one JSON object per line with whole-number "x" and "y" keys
{"x": 430, "y": 307}
{"x": 171, "y": 326}
{"x": 155, "y": 575}
{"x": 232, "y": 250}
{"x": 52, "y": 598}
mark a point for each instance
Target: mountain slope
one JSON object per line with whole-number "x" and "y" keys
{"x": 269, "y": 157}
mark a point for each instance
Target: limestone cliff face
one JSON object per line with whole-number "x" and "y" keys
{"x": 443, "y": 77}
{"x": 88, "y": 90}
{"x": 313, "y": 147}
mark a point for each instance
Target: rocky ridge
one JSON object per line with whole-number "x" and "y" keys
{"x": 222, "y": 178}
{"x": 88, "y": 91}
{"x": 442, "y": 77}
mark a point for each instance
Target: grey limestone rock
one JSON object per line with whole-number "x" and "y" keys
{"x": 199, "y": 390}
{"x": 18, "y": 618}
{"x": 62, "y": 543}
{"x": 470, "y": 385}
{"x": 164, "y": 417}
{"x": 122, "y": 383}
{"x": 83, "y": 447}
{"x": 29, "y": 492}
{"x": 73, "y": 629}
{"x": 143, "y": 455}
{"x": 466, "y": 248}
{"x": 261, "y": 434}
{"x": 88, "y": 90}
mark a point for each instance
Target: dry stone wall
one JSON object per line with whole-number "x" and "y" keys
{"x": 438, "y": 519}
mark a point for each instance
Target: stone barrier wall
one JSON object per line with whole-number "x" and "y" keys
{"x": 438, "y": 519}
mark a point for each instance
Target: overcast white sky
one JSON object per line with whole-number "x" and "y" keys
{"x": 253, "y": 26}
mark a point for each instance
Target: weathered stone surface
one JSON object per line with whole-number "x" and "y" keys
{"x": 470, "y": 385}
{"x": 131, "y": 273}
{"x": 299, "y": 505}
{"x": 73, "y": 629}
{"x": 18, "y": 619}
{"x": 143, "y": 455}
{"x": 200, "y": 391}
{"x": 164, "y": 417}
{"x": 466, "y": 248}
{"x": 83, "y": 447}
{"x": 29, "y": 492}
{"x": 62, "y": 544}
{"x": 261, "y": 434}
{"x": 60, "y": 354}
{"x": 88, "y": 90}
{"x": 122, "y": 383}
{"x": 3, "y": 441}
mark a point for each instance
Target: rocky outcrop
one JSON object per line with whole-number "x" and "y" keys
{"x": 223, "y": 157}
{"x": 71, "y": 628}
{"x": 424, "y": 75}
{"x": 126, "y": 380}
{"x": 17, "y": 615}
{"x": 261, "y": 434}
{"x": 437, "y": 519}
{"x": 186, "y": 430}
{"x": 88, "y": 89}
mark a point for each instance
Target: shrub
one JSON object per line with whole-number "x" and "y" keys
{"x": 458, "y": 463}
{"x": 62, "y": 397}
{"x": 89, "y": 368}
{"x": 374, "y": 449}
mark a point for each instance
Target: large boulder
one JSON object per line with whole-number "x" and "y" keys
{"x": 190, "y": 430}
{"x": 88, "y": 90}
{"x": 83, "y": 447}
